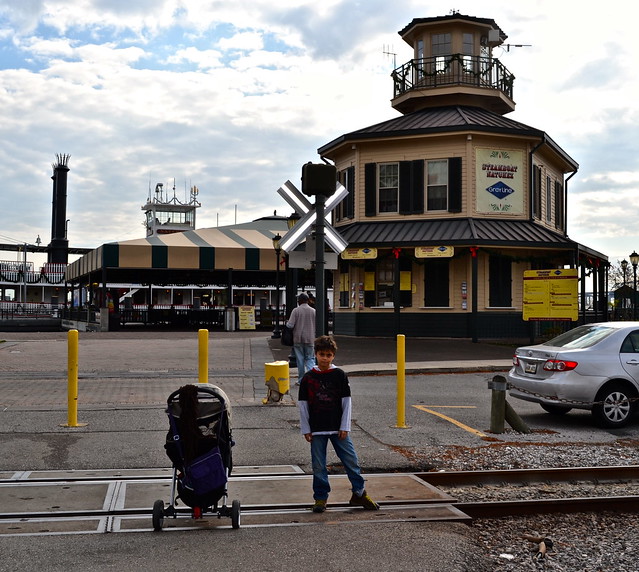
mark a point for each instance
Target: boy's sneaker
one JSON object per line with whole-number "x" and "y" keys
{"x": 364, "y": 500}
{"x": 319, "y": 506}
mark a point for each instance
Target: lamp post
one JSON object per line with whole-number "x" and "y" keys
{"x": 624, "y": 267}
{"x": 278, "y": 250}
{"x": 634, "y": 260}
{"x": 292, "y": 279}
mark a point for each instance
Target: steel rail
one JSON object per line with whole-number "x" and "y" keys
{"x": 478, "y": 509}
{"x": 129, "y": 478}
{"x": 608, "y": 474}
{"x": 497, "y": 509}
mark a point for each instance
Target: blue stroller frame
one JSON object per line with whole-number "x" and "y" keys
{"x": 214, "y": 422}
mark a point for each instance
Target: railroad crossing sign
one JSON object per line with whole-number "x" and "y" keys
{"x": 289, "y": 192}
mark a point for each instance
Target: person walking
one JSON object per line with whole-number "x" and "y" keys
{"x": 324, "y": 404}
{"x": 302, "y": 321}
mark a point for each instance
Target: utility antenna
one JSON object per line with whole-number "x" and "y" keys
{"x": 508, "y": 46}
{"x": 386, "y": 50}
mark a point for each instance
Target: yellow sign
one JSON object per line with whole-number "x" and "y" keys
{"x": 434, "y": 251}
{"x": 550, "y": 294}
{"x": 247, "y": 317}
{"x": 359, "y": 253}
{"x": 369, "y": 281}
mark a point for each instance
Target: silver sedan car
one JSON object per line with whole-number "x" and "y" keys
{"x": 595, "y": 367}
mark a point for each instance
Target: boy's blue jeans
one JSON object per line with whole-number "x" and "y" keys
{"x": 346, "y": 453}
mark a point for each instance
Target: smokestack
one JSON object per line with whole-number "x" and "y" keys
{"x": 58, "y": 250}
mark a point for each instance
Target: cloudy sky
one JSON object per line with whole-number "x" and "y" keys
{"x": 234, "y": 96}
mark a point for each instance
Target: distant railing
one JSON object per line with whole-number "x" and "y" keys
{"x": 20, "y": 273}
{"x": 20, "y": 310}
{"x": 454, "y": 69}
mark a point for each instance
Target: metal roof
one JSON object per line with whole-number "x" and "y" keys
{"x": 455, "y": 16}
{"x": 449, "y": 119}
{"x": 458, "y": 231}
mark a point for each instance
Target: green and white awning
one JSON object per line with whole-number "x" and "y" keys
{"x": 246, "y": 246}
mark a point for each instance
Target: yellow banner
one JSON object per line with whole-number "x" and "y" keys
{"x": 369, "y": 281}
{"x": 359, "y": 253}
{"x": 550, "y": 294}
{"x": 434, "y": 251}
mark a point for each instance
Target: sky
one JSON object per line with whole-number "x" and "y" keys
{"x": 235, "y": 96}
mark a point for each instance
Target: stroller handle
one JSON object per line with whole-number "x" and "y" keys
{"x": 202, "y": 389}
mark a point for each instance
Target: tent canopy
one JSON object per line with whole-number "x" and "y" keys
{"x": 193, "y": 257}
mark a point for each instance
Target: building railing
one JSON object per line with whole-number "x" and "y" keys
{"x": 19, "y": 310}
{"x": 453, "y": 70}
{"x": 19, "y": 273}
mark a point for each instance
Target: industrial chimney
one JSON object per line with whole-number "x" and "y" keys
{"x": 58, "y": 249}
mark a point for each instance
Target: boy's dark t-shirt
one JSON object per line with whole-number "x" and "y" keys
{"x": 323, "y": 391}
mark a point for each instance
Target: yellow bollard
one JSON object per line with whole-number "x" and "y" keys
{"x": 276, "y": 378}
{"x": 203, "y": 356}
{"x": 401, "y": 381}
{"x": 72, "y": 384}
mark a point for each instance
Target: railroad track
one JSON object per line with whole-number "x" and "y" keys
{"x": 516, "y": 478}
{"x": 624, "y": 476}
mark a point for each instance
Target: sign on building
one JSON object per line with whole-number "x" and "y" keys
{"x": 550, "y": 294}
{"x": 500, "y": 181}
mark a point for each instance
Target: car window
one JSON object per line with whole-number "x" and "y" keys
{"x": 580, "y": 337}
{"x": 631, "y": 343}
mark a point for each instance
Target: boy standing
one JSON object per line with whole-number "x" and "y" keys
{"x": 325, "y": 415}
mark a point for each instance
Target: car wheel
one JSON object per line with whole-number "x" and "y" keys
{"x": 613, "y": 408}
{"x": 555, "y": 409}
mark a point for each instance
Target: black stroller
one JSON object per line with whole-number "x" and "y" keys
{"x": 199, "y": 445}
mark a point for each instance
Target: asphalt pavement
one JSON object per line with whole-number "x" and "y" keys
{"x": 125, "y": 378}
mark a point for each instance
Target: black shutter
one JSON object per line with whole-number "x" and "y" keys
{"x": 454, "y": 185}
{"x": 370, "y": 189}
{"x": 349, "y": 210}
{"x": 417, "y": 193}
{"x": 499, "y": 282}
{"x": 436, "y": 282}
{"x": 405, "y": 181}
{"x": 536, "y": 198}
{"x": 559, "y": 206}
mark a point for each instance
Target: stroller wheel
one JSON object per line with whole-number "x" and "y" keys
{"x": 235, "y": 514}
{"x": 158, "y": 514}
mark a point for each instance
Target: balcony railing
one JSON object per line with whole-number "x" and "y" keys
{"x": 20, "y": 273}
{"x": 455, "y": 69}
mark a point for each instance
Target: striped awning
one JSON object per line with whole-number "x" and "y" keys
{"x": 246, "y": 246}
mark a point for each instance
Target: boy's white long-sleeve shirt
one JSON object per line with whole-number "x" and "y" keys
{"x": 303, "y": 403}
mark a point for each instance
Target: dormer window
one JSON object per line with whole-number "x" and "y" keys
{"x": 468, "y": 51}
{"x": 441, "y": 47}
{"x": 437, "y": 186}
{"x": 388, "y": 187}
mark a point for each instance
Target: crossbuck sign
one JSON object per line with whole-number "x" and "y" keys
{"x": 308, "y": 215}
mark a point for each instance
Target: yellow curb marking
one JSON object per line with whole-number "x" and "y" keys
{"x": 450, "y": 419}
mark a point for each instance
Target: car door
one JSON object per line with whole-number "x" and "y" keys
{"x": 629, "y": 355}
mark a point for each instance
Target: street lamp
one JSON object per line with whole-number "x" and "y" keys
{"x": 634, "y": 260}
{"x": 278, "y": 250}
{"x": 624, "y": 267}
{"x": 292, "y": 279}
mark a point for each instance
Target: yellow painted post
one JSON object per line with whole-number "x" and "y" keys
{"x": 401, "y": 381}
{"x": 72, "y": 384}
{"x": 203, "y": 356}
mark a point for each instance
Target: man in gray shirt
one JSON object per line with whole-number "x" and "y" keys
{"x": 302, "y": 320}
